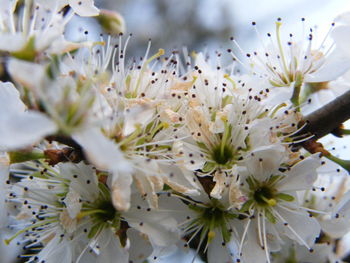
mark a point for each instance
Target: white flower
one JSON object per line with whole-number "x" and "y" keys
{"x": 286, "y": 63}
{"x": 330, "y": 196}
{"x": 67, "y": 210}
{"x": 210, "y": 221}
{"x": 272, "y": 206}
{"x": 39, "y": 28}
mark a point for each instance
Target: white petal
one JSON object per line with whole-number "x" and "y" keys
{"x": 111, "y": 250}
{"x": 137, "y": 115}
{"x": 82, "y": 179}
{"x": 10, "y": 99}
{"x": 12, "y": 42}
{"x": 72, "y": 203}
{"x": 335, "y": 65}
{"x": 160, "y": 227}
{"x": 343, "y": 207}
{"x": 307, "y": 228}
{"x": 191, "y": 154}
{"x": 121, "y": 191}
{"x": 320, "y": 253}
{"x": 181, "y": 180}
{"x": 84, "y": 7}
{"x": 101, "y": 151}
{"x": 30, "y": 75}
{"x": 301, "y": 176}
{"x": 252, "y": 251}
{"x": 22, "y": 130}
{"x": 265, "y": 161}
{"x": 343, "y": 18}
{"x": 218, "y": 250}
{"x": 341, "y": 36}
{"x": 220, "y": 180}
{"x": 140, "y": 247}
{"x": 335, "y": 227}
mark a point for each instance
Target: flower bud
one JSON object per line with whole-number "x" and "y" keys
{"x": 111, "y": 21}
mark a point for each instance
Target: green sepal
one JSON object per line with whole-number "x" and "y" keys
{"x": 270, "y": 216}
{"x": 166, "y": 187}
{"x": 28, "y": 52}
{"x": 285, "y": 197}
{"x": 209, "y": 166}
{"x": 94, "y": 230}
{"x": 202, "y": 146}
{"x": 106, "y": 194}
{"x": 245, "y": 207}
{"x": 226, "y": 100}
{"x": 226, "y": 234}
{"x": 250, "y": 182}
{"x": 23, "y": 156}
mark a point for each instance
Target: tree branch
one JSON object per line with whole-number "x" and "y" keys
{"x": 328, "y": 118}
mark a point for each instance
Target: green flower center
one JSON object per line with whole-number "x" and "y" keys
{"x": 222, "y": 155}
{"x": 109, "y": 212}
{"x": 264, "y": 196}
{"x": 212, "y": 218}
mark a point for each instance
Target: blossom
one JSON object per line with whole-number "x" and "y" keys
{"x": 40, "y": 29}
{"x": 69, "y": 211}
{"x": 210, "y": 221}
{"x": 272, "y": 206}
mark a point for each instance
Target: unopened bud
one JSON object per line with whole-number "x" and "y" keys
{"x": 111, "y": 21}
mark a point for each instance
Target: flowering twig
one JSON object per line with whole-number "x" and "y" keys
{"x": 328, "y": 118}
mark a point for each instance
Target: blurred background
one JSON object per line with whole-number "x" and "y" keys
{"x": 208, "y": 24}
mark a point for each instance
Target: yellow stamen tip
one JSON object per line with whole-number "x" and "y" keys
{"x": 7, "y": 242}
{"x": 226, "y": 76}
{"x": 211, "y": 234}
{"x": 272, "y": 202}
{"x": 80, "y": 216}
{"x": 161, "y": 52}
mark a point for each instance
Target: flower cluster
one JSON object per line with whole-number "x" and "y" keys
{"x": 106, "y": 159}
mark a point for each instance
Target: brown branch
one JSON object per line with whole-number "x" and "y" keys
{"x": 329, "y": 118}
{"x": 67, "y": 154}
